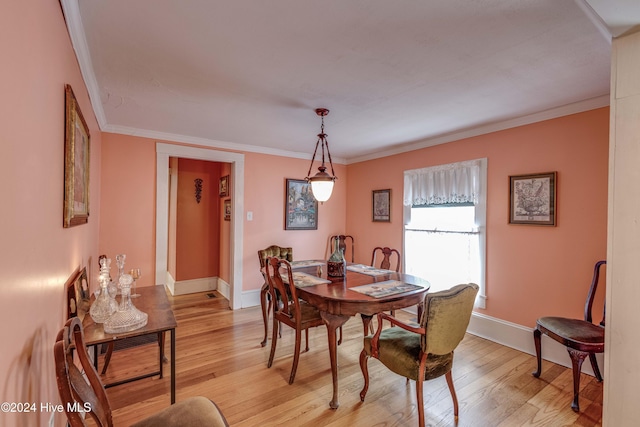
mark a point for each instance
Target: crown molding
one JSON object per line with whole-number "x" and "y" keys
{"x": 565, "y": 110}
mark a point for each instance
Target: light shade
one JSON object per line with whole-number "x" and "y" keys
{"x": 321, "y": 188}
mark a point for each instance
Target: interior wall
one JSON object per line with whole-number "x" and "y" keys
{"x": 225, "y": 230}
{"x": 531, "y": 270}
{"x": 264, "y": 195}
{"x": 38, "y": 254}
{"x": 621, "y": 373}
{"x": 198, "y": 224}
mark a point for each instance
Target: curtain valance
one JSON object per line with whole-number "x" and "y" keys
{"x": 444, "y": 184}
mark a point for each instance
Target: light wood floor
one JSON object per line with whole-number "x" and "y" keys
{"x": 219, "y": 356}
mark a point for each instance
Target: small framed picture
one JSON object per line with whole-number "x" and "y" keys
{"x": 532, "y": 199}
{"x": 300, "y": 207}
{"x": 381, "y": 205}
{"x": 227, "y": 210}
{"x": 224, "y": 186}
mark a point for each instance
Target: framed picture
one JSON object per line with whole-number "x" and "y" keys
{"x": 78, "y": 296}
{"x": 300, "y": 207}
{"x": 381, "y": 205}
{"x": 227, "y": 210}
{"x": 532, "y": 199}
{"x": 76, "y": 163}
{"x": 224, "y": 186}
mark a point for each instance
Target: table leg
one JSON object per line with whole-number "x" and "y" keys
{"x": 333, "y": 322}
{"x": 173, "y": 366}
{"x": 366, "y": 322}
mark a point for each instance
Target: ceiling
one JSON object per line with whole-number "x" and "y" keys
{"x": 248, "y": 74}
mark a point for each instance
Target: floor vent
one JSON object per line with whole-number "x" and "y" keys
{"x": 211, "y": 295}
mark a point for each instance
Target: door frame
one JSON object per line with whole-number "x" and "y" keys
{"x": 163, "y": 152}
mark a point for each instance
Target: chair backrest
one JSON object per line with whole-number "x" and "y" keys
{"x": 274, "y": 251}
{"x": 446, "y": 317}
{"x": 342, "y": 244}
{"x": 73, "y": 389}
{"x": 386, "y": 252}
{"x": 588, "y": 306}
{"x": 278, "y": 286}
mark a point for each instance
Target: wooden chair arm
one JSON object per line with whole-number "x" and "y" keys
{"x": 394, "y": 322}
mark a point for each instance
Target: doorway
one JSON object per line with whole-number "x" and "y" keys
{"x": 163, "y": 153}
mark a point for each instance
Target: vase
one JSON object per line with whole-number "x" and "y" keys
{"x": 336, "y": 264}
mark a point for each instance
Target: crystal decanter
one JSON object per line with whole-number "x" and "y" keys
{"x": 104, "y": 305}
{"x": 127, "y": 317}
{"x": 336, "y": 264}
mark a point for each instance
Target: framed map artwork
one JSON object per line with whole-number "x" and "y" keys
{"x": 532, "y": 199}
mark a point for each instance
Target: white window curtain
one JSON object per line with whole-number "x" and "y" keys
{"x": 444, "y": 184}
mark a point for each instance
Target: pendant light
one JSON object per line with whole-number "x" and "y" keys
{"x": 321, "y": 182}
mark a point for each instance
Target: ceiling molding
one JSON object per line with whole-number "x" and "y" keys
{"x": 76, "y": 32}
{"x": 210, "y": 143}
{"x": 578, "y": 107}
{"x": 596, "y": 19}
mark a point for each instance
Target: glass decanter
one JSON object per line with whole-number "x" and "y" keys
{"x": 104, "y": 306}
{"x": 127, "y": 317}
{"x": 120, "y": 259}
{"x": 336, "y": 264}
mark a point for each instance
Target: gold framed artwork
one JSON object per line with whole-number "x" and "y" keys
{"x": 532, "y": 199}
{"x": 381, "y": 205}
{"x": 76, "y": 163}
{"x": 227, "y": 210}
{"x": 224, "y": 186}
{"x": 300, "y": 207}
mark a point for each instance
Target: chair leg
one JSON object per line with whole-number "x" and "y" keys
{"x": 340, "y": 339}
{"x": 265, "y": 311}
{"x": 537, "y": 340}
{"x": 577, "y": 357}
{"x": 419, "y": 396}
{"x": 306, "y": 340}
{"x": 594, "y": 365}
{"x": 274, "y": 341}
{"x": 365, "y": 373}
{"x": 107, "y": 358}
{"x": 296, "y": 355}
{"x": 452, "y": 389}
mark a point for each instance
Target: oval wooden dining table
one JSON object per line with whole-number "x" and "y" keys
{"x": 337, "y": 302}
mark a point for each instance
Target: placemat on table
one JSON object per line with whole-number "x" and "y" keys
{"x": 368, "y": 270}
{"x": 386, "y": 288}
{"x": 303, "y": 279}
{"x": 306, "y": 263}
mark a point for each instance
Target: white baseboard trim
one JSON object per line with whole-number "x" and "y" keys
{"x": 224, "y": 288}
{"x": 250, "y": 298}
{"x": 183, "y": 287}
{"x": 171, "y": 284}
{"x": 521, "y": 338}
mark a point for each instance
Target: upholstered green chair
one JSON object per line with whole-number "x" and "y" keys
{"x": 265, "y": 302}
{"x": 76, "y": 392}
{"x": 424, "y": 352}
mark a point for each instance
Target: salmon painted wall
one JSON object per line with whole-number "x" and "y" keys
{"x": 531, "y": 270}
{"x": 128, "y": 166}
{"x": 38, "y": 254}
{"x": 198, "y": 224}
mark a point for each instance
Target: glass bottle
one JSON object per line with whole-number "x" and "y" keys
{"x": 336, "y": 264}
{"x": 104, "y": 306}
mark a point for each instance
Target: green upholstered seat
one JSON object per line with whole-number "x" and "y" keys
{"x": 424, "y": 352}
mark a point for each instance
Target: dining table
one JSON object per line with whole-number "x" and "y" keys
{"x": 363, "y": 290}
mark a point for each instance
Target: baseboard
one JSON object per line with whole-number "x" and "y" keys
{"x": 251, "y": 298}
{"x": 183, "y": 287}
{"x": 171, "y": 283}
{"x": 224, "y": 289}
{"x": 521, "y": 338}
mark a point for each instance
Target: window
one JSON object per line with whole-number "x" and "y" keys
{"x": 445, "y": 211}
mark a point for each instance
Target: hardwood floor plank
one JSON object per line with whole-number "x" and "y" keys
{"x": 218, "y": 355}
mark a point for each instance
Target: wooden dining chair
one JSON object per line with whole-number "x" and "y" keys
{"x": 288, "y": 309}
{"x": 342, "y": 244}
{"x": 76, "y": 392}
{"x": 581, "y": 337}
{"x": 424, "y": 352}
{"x": 386, "y": 253}
{"x": 265, "y": 300}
